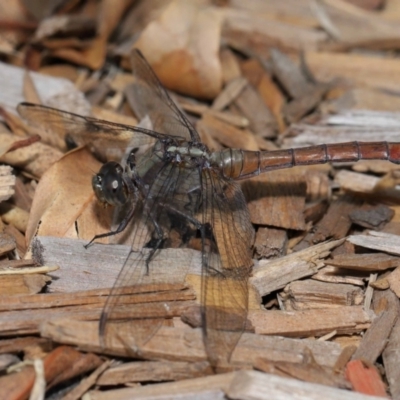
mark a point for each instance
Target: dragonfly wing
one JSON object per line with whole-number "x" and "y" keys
{"x": 226, "y": 265}
{"x": 145, "y": 269}
{"x": 101, "y": 136}
{"x": 147, "y": 96}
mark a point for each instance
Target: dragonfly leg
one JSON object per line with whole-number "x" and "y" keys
{"x": 121, "y": 227}
{"x": 159, "y": 239}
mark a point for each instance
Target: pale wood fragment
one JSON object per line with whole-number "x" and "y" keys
{"x": 229, "y": 93}
{"x": 249, "y": 32}
{"x": 336, "y": 222}
{"x": 361, "y": 70}
{"x": 98, "y": 265}
{"x": 394, "y": 281}
{"x": 23, "y": 314}
{"x": 224, "y": 116}
{"x": 380, "y": 241}
{"x": 376, "y": 336}
{"x": 269, "y": 276}
{"x": 356, "y": 182}
{"x": 316, "y": 322}
{"x": 56, "y": 92}
{"x": 277, "y": 199}
{"x": 246, "y": 385}
{"x": 391, "y": 360}
{"x": 210, "y": 387}
{"x": 255, "y": 385}
{"x": 226, "y": 134}
{"x": 14, "y": 215}
{"x": 306, "y": 135}
{"x": 310, "y": 294}
{"x": 251, "y": 105}
{"x": 22, "y": 284}
{"x": 338, "y": 275}
{"x": 77, "y": 392}
{"x": 365, "y": 262}
{"x": 270, "y": 242}
{"x": 177, "y": 344}
{"x": 153, "y": 371}
{"x": 229, "y": 64}
{"x": 308, "y": 371}
{"x": 7, "y": 243}
{"x": 34, "y": 159}
{"x": 7, "y": 182}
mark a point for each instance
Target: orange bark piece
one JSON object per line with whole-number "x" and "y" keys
{"x": 365, "y": 378}
{"x": 18, "y": 386}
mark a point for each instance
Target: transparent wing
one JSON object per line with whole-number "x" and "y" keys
{"x": 100, "y": 135}
{"x": 226, "y": 266}
{"x": 151, "y": 266}
{"x": 147, "y": 96}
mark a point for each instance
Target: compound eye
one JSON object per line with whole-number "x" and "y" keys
{"x": 109, "y": 185}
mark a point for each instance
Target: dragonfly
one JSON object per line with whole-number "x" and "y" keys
{"x": 178, "y": 184}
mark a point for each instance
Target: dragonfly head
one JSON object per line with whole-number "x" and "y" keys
{"x": 109, "y": 185}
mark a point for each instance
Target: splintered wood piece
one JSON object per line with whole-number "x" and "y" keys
{"x": 394, "y": 281}
{"x": 22, "y": 284}
{"x": 308, "y": 371}
{"x": 298, "y": 108}
{"x": 310, "y": 294}
{"x": 78, "y": 391}
{"x": 360, "y": 69}
{"x": 270, "y": 242}
{"x": 227, "y": 134}
{"x": 17, "y": 345}
{"x": 306, "y": 134}
{"x": 209, "y": 387}
{"x": 7, "y": 182}
{"x": 229, "y": 93}
{"x": 224, "y": 116}
{"x": 277, "y": 199}
{"x": 365, "y": 378}
{"x": 338, "y": 275}
{"x": 229, "y": 64}
{"x": 317, "y": 322}
{"x": 380, "y": 241}
{"x": 18, "y": 237}
{"x": 365, "y": 262}
{"x": 53, "y": 91}
{"x": 249, "y": 32}
{"x": 61, "y": 364}
{"x": 234, "y": 385}
{"x": 34, "y": 159}
{"x": 25, "y": 313}
{"x": 269, "y": 276}
{"x": 391, "y": 360}
{"x": 153, "y": 371}
{"x": 7, "y": 243}
{"x": 98, "y": 265}
{"x": 256, "y": 385}
{"x": 356, "y": 27}
{"x": 6, "y": 360}
{"x": 376, "y": 336}
{"x": 262, "y": 121}
{"x": 336, "y": 222}
{"x": 290, "y": 75}
{"x": 356, "y": 182}
{"x": 14, "y": 215}
{"x": 177, "y": 344}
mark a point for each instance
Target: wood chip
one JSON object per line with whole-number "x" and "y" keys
{"x": 376, "y": 336}
{"x": 269, "y": 276}
{"x": 377, "y": 241}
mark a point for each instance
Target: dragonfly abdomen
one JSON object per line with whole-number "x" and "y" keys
{"x": 241, "y": 164}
